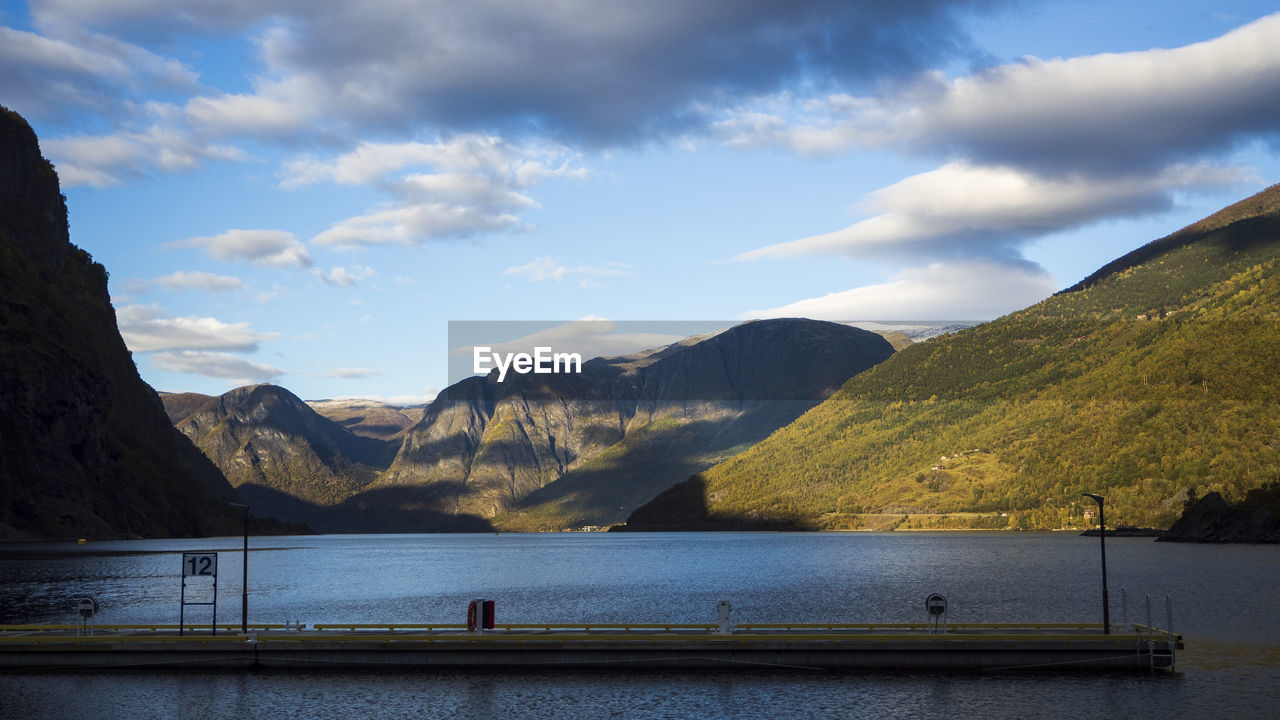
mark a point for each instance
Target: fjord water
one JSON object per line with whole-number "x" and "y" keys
{"x": 1226, "y": 601}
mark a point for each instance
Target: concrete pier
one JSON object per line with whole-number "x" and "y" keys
{"x": 799, "y": 647}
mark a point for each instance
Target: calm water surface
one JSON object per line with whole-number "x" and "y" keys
{"x": 1226, "y": 604}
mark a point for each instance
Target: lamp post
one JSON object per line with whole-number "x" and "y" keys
{"x": 244, "y": 566}
{"x": 1102, "y": 537}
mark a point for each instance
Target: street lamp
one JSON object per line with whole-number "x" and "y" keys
{"x": 244, "y": 565}
{"x": 1102, "y": 537}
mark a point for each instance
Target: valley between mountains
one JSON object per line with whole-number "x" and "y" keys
{"x": 535, "y": 452}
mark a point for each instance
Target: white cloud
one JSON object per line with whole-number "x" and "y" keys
{"x": 182, "y": 280}
{"x": 969, "y": 290}
{"x": 546, "y": 268}
{"x": 105, "y": 160}
{"x": 275, "y": 108}
{"x": 471, "y": 154}
{"x": 1112, "y": 113}
{"x": 351, "y": 373}
{"x": 476, "y": 184}
{"x": 276, "y": 248}
{"x": 962, "y": 209}
{"x": 48, "y": 76}
{"x": 215, "y": 365}
{"x": 346, "y": 277}
{"x": 146, "y": 329}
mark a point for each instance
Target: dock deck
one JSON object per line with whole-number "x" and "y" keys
{"x": 750, "y": 646}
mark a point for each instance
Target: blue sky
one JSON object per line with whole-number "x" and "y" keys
{"x": 308, "y": 191}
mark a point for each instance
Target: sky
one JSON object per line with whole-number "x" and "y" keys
{"x": 308, "y": 192}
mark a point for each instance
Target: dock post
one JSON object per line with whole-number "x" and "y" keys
{"x": 1168, "y": 610}
{"x": 1102, "y": 543}
{"x": 1124, "y": 608}
{"x": 1151, "y": 636}
{"x": 724, "y": 617}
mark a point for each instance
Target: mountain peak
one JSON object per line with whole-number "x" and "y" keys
{"x": 1260, "y": 208}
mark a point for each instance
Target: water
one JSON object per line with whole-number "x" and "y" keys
{"x": 1225, "y": 605}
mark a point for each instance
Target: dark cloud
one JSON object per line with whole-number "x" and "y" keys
{"x": 582, "y": 70}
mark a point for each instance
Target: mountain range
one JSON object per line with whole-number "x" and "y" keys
{"x": 535, "y": 452}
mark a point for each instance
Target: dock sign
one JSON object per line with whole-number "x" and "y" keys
{"x": 200, "y": 564}
{"x": 936, "y": 604}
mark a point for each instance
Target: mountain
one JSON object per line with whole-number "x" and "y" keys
{"x": 546, "y": 452}
{"x": 179, "y": 406}
{"x": 1153, "y": 379}
{"x": 86, "y": 449}
{"x": 369, "y": 418}
{"x": 283, "y": 457}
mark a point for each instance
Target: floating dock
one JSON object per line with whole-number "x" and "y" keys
{"x": 760, "y": 647}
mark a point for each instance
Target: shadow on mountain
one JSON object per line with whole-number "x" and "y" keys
{"x": 683, "y": 507}
{"x": 1230, "y": 235}
{"x": 650, "y": 459}
{"x": 397, "y": 509}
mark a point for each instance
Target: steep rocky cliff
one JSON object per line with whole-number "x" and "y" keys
{"x": 86, "y": 449}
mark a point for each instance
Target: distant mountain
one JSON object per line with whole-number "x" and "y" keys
{"x": 1155, "y": 378}
{"x": 85, "y": 447}
{"x": 277, "y": 451}
{"x": 369, "y": 418}
{"x": 545, "y": 452}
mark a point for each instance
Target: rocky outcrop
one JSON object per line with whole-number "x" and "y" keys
{"x": 86, "y": 449}
{"x": 1211, "y": 519}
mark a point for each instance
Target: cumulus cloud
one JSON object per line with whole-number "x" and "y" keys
{"x": 1099, "y": 114}
{"x": 969, "y": 210}
{"x": 966, "y": 290}
{"x": 581, "y": 69}
{"x": 146, "y": 329}
{"x": 215, "y": 365}
{"x": 181, "y": 281}
{"x": 475, "y": 184}
{"x": 276, "y": 248}
{"x": 545, "y": 268}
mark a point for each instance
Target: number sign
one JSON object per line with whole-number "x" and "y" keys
{"x": 200, "y": 564}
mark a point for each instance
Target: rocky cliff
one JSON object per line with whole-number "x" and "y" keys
{"x": 86, "y": 449}
{"x": 552, "y": 451}
{"x": 275, "y": 450}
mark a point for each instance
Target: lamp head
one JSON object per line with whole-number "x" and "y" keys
{"x": 1097, "y": 498}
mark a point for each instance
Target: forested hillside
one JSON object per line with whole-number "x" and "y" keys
{"x": 1156, "y": 376}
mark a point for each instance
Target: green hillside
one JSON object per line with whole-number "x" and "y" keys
{"x": 1157, "y": 375}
